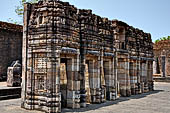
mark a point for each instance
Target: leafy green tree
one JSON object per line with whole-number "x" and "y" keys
{"x": 156, "y": 41}
{"x": 168, "y": 37}
{"x": 12, "y": 21}
{"x": 163, "y": 38}
{"x": 19, "y": 10}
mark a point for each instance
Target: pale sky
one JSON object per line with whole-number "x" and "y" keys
{"x": 152, "y": 16}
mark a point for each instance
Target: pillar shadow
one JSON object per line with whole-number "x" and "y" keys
{"x": 109, "y": 103}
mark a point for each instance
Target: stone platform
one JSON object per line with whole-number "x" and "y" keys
{"x": 157, "y": 101}
{"x": 162, "y": 79}
{"x": 9, "y": 92}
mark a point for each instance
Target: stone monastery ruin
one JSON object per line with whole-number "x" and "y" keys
{"x": 72, "y": 57}
{"x": 161, "y": 65}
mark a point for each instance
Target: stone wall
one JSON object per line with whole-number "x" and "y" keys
{"x": 135, "y": 55}
{"x": 72, "y": 57}
{"x": 10, "y": 45}
{"x": 162, "y": 58}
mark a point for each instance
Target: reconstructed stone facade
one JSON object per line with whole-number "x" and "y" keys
{"x": 10, "y": 45}
{"x": 72, "y": 57}
{"x": 162, "y": 58}
{"x": 134, "y": 51}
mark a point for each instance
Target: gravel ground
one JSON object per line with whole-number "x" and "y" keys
{"x": 157, "y": 101}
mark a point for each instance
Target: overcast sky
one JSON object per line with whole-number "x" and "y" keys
{"x": 152, "y": 16}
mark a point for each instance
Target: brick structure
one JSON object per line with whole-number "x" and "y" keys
{"x": 10, "y": 45}
{"x": 162, "y": 58}
{"x": 72, "y": 57}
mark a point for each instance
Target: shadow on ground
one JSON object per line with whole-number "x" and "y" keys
{"x": 108, "y": 103}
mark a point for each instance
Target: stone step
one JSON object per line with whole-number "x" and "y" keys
{"x": 10, "y": 93}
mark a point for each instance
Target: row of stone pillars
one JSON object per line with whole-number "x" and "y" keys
{"x": 134, "y": 76}
{"x": 101, "y": 77}
{"x": 43, "y": 81}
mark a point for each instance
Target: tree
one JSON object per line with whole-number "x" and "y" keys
{"x": 156, "y": 41}
{"x": 19, "y": 10}
{"x": 168, "y": 37}
{"x": 163, "y": 38}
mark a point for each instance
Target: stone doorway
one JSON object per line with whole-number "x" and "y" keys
{"x": 63, "y": 81}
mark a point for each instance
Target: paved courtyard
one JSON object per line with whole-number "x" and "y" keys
{"x": 157, "y": 101}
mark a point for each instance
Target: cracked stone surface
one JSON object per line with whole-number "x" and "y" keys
{"x": 157, "y": 101}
